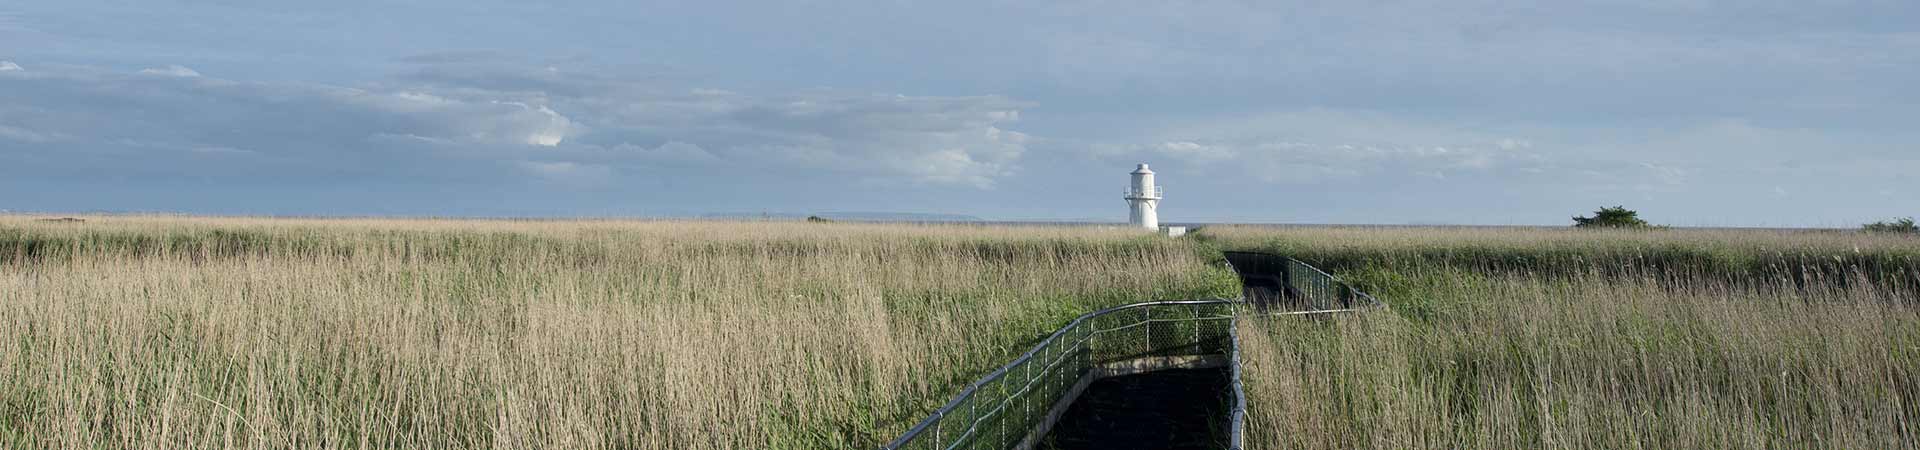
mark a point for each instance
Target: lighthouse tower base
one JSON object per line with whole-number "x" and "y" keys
{"x": 1143, "y": 200}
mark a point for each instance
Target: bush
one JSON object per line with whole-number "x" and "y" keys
{"x": 1905, "y": 225}
{"x": 1615, "y": 217}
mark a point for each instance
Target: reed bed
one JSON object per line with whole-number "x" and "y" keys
{"x": 1732, "y": 255}
{"x": 188, "y": 332}
{"x": 1806, "y": 350}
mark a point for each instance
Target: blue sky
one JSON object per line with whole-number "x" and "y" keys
{"x": 1708, "y": 113}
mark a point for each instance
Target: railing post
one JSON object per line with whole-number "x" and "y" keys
{"x": 1195, "y": 309}
{"x": 973, "y": 416}
{"x": 1146, "y": 345}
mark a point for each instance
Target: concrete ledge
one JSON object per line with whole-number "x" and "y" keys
{"x": 1159, "y": 363}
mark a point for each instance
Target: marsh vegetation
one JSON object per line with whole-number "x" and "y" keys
{"x": 180, "y": 332}
{"x": 168, "y": 332}
{"x": 1539, "y": 338}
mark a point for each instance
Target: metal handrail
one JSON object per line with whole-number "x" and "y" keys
{"x": 1310, "y": 281}
{"x": 1236, "y": 439}
{"x": 973, "y": 389}
{"x": 1321, "y": 285}
{"x": 1236, "y": 428}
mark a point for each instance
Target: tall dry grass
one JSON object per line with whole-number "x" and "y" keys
{"x": 263, "y": 333}
{"x": 1595, "y": 363}
{"x": 1553, "y": 339}
{"x": 1731, "y": 254}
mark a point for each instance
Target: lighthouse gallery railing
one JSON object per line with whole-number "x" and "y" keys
{"x": 1157, "y": 192}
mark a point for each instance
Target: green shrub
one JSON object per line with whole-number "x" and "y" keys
{"x": 1904, "y": 225}
{"x": 1615, "y": 217}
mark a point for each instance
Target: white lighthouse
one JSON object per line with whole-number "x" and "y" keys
{"x": 1144, "y": 197}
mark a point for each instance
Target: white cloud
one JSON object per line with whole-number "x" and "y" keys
{"x": 1513, "y": 144}
{"x": 1679, "y": 157}
{"x": 569, "y": 127}
{"x": 22, "y": 134}
{"x": 1195, "y": 151}
{"x": 569, "y": 173}
{"x": 935, "y": 140}
{"x": 671, "y": 152}
{"x": 171, "y": 71}
{"x": 9, "y": 66}
{"x": 219, "y": 150}
{"x": 556, "y": 129}
{"x": 420, "y": 101}
{"x": 1317, "y": 145}
{"x": 561, "y": 169}
{"x": 1476, "y": 93}
{"x": 1671, "y": 175}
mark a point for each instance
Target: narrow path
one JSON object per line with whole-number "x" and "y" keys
{"x": 1166, "y": 408}
{"x": 1169, "y": 409}
{"x": 1263, "y": 280}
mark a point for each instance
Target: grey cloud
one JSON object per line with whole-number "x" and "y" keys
{"x": 1687, "y": 107}
{"x": 1584, "y": 60}
{"x": 10, "y": 21}
{"x": 118, "y": 126}
{"x": 1390, "y": 158}
{"x": 669, "y": 153}
{"x": 1319, "y": 145}
{"x": 936, "y": 140}
{"x": 1293, "y": 162}
{"x": 454, "y": 56}
{"x": 939, "y": 140}
{"x": 172, "y": 120}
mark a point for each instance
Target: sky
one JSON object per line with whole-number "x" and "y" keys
{"x": 1696, "y": 113}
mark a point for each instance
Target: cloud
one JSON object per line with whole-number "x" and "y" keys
{"x": 1318, "y": 145}
{"x": 1196, "y": 151}
{"x": 1667, "y": 174}
{"x": 556, "y": 130}
{"x": 454, "y": 57}
{"x": 96, "y": 124}
{"x": 928, "y": 140}
{"x": 9, "y": 66}
{"x": 535, "y": 122}
{"x": 933, "y": 140}
{"x": 10, "y": 21}
{"x": 1451, "y": 97}
{"x": 668, "y": 153}
{"x": 26, "y": 135}
{"x": 171, "y": 71}
{"x": 568, "y": 173}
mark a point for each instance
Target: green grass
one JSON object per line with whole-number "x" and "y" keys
{"x": 1574, "y": 339}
